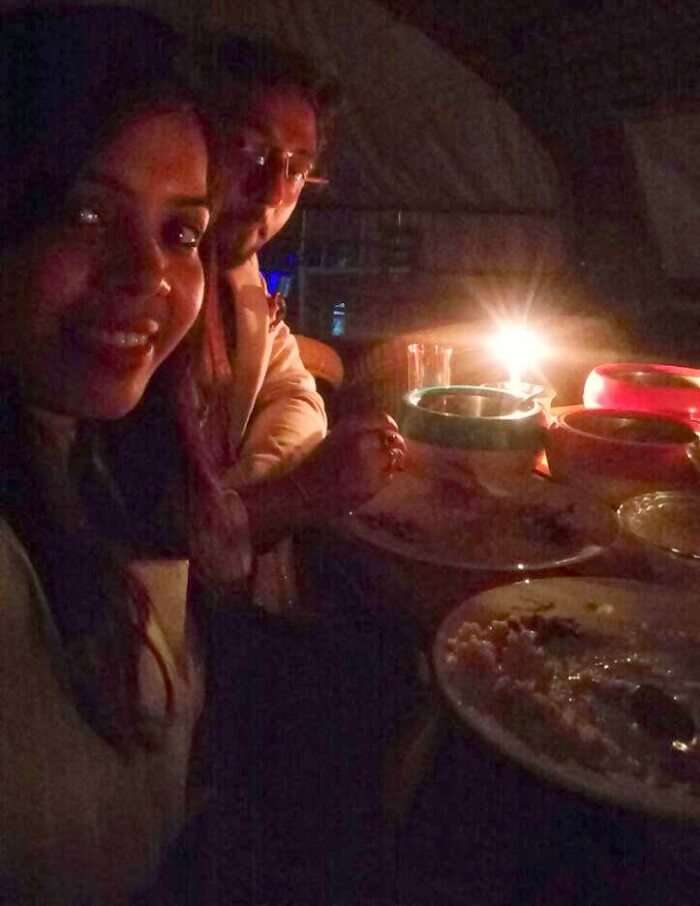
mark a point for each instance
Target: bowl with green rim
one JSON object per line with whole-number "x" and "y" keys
{"x": 490, "y": 433}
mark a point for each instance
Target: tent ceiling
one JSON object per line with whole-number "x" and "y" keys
{"x": 559, "y": 60}
{"x": 423, "y": 131}
{"x": 419, "y": 131}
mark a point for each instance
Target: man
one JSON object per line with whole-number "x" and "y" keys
{"x": 273, "y": 115}
{"x": 270, "y": 156}
{"x": 278, "y": 687}
{"x": 273, "y": 111}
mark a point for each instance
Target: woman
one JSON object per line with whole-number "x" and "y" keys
{"x": 104, "y": 198}
{"x": 103, "y": 202}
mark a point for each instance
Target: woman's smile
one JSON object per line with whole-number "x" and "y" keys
{"x": 109, "y": 290}
{"x": 125, "y": 338}
{"x": 121, "y": 348}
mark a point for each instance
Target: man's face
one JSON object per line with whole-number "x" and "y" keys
{"x": 261, "y": 199}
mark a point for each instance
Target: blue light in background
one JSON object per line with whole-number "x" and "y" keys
{"x": 278, "y": 281}
{"x": 338, "y": 320}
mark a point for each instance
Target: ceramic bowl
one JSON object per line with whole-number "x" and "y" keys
{"x": 694, "y": 456}
{"x": 489, "y": 433}
{"x": 665, "y": 526}
{"x": 617, "y": 454}
{"x": 645, "y": 387}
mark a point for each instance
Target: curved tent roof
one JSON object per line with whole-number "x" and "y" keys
{"x": 419, "y": 131}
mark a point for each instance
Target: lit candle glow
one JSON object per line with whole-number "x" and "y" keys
{"x": 520, "y": 350}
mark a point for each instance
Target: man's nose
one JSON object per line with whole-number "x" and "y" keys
{"x": 273, "y": 185}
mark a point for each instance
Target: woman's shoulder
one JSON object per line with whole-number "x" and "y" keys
{"x": 13, "y": 555}
{"x": 20, "y": 589}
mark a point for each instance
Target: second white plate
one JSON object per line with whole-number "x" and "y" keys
{"x": 532, "y": 708}
{"x": 542, "y": 526}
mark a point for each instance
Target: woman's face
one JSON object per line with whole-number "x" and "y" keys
{"x": 94, "y": 302}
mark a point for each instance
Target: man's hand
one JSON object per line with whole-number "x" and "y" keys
{"x": 355, "y": 461}
{"x": 359, "y": 456}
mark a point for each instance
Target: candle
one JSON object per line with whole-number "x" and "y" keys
{"x": 520, "y": 350}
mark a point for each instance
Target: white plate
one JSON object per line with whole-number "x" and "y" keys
{"x": 543, "y": 525}
{"x": 614, "y": 618}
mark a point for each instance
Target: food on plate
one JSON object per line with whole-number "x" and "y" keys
{"x": 622, "y": 704}
{"x": 533, "y": 525}
{"x": 670, "y": 521}
{"x": 490, "y": 530}
{"x": 401, "y": 529}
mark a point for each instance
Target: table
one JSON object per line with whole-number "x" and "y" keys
{"x": 470, "y": 826}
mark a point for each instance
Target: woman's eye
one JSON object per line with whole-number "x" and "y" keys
{"x": 184, "y": 235}
{"x": 86, "y": 222}
{"x": 87, "y": 216}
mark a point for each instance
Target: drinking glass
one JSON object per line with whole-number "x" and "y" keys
{"x": 429, "y": 365}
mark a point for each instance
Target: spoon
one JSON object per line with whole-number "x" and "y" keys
{"x": 657, "y": 713}
{"x": 660, "y": 714}
{"x": 528, "y": 398}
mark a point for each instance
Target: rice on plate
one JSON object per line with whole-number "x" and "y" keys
{"x": 594, "y": 684}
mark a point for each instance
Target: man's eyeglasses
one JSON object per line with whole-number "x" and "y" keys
{"x": 297, "y": 166}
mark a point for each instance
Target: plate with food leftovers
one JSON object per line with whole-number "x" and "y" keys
{"x": 535, "y": 525}
{"x": 593, "y": 684}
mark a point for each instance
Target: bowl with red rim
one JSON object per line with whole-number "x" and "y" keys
{"x": 645, "y": 387}
{"x": 616, "y": 454}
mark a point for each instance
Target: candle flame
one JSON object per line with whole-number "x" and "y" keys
{"x": 520, "y": 350}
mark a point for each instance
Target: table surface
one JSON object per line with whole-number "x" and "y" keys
{"x": 471, "y": 826}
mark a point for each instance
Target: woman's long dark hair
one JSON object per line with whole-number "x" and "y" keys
{"x": 69, "y": 78}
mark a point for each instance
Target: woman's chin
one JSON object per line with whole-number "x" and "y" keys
{"x": 100, "y": 402}
{"x": 110, "y": 406}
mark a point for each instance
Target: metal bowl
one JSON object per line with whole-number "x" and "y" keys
{"x": 542, "y": 393}
{"x": 472, "y": 418}
{"x": 666, "y": 527}
{"x": 484, "y": 435}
